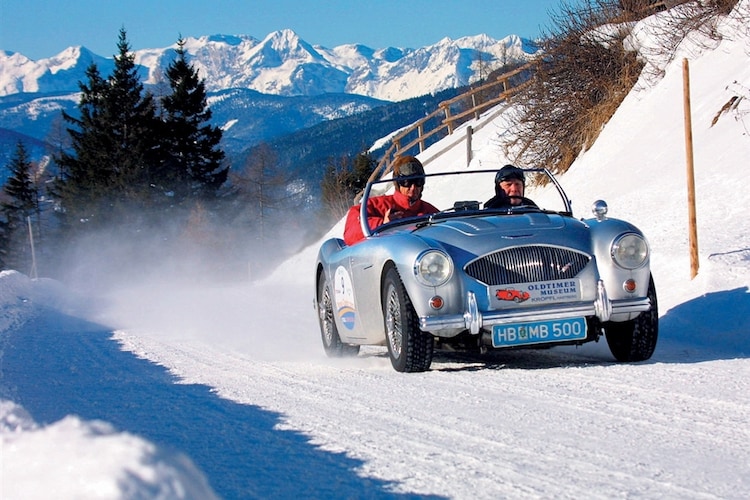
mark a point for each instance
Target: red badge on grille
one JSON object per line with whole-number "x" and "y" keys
{"x": 512, "y": 294}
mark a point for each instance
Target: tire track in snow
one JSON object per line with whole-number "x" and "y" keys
{"x": 451, "y": 423}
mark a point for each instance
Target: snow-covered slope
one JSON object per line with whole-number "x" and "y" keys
{"x": 259, "y": 409}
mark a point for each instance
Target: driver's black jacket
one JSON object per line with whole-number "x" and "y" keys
{"x": 502, "y": 200}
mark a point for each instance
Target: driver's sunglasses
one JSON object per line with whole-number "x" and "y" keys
{"x": 407, "y": 183}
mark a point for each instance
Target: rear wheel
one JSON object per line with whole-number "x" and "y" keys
{"x": 635, "y": 340}
{"x": 329, "y": 333}
{"x": 409, "y": 348}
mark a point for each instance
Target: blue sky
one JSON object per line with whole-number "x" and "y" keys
{"x": 43, "y": 28}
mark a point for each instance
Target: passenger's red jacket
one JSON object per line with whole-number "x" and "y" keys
{"x": 376, "y": 209}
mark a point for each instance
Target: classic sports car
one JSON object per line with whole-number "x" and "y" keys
{"x": 479, "y": 278}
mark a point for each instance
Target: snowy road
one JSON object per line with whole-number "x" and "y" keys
{"x": 564, "y": 423}
{"x": 539, "y": 424}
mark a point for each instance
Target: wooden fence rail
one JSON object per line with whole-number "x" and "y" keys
{"x": 449, "y": 115}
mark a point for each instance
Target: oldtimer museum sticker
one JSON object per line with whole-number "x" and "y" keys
{"x": 539, "y": 292}
{"x": 344, "y": 296}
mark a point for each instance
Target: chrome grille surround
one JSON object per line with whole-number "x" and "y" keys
{"x": 527, "y": 264}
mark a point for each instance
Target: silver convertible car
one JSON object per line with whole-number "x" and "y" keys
{"x": 476, "y": 278}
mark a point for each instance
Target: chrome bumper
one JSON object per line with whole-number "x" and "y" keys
{"x": 474, "y": 320}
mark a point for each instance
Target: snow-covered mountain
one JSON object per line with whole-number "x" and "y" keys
{"x": 258, "y": 89}
{"x": 284, "y": 64}
{"x": 59, "y": 73}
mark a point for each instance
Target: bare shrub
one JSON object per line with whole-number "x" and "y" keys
{"x": 638, "y": 9}
{"x": 584, "y": 76}
{"x": 698, "y": 19}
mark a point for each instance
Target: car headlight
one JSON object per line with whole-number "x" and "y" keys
{"x": 629, "y": 251}
{"x": 433, "y": 268}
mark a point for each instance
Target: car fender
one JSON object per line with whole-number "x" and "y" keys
{"x": 603, "y": 234}
{"x": 399, "y": 250}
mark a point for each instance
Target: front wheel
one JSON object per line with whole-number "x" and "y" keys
{"x": 332, "y": 344}
{"x": 409, "y": 348}
{"x": 635, "y": 340}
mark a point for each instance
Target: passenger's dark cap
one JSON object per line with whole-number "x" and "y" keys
{"x": 509, "y": 172}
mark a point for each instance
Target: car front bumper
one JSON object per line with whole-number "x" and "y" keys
{"x": 474, "y": 320}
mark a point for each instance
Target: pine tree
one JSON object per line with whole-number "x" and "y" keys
{"x": 131, "y": 116}
{"x": 343, "y": 181}
{"x": 85, "y": 174}
{"x": 114, "y": 144}
{"x": 363, "y": 166}
{"x": 192, "y": 157}
{"x": 21, "y": 202}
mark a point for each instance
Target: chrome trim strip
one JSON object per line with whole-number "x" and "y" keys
{"x": 602, "y": 305}
{"x": 472, "y": 317}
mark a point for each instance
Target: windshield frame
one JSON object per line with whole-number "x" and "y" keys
{"x": 454, "y": 211}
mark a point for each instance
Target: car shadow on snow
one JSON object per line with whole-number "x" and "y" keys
{"x": 521, "y": 359}
{"x": 449, "y": 360}
{"x": 58, "y": 365}
{"x": 711, "y": 327}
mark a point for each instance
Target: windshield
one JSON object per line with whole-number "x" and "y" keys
{"x": 468, "y": 192}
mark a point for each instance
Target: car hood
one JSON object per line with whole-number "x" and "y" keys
{"x": 489, "y": 233}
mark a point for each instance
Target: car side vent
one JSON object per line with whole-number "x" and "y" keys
{"x": 527, "y": 264}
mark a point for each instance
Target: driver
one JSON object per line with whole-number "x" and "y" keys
{"x": 406, "y": 201}
{"x": 510, "y": 183}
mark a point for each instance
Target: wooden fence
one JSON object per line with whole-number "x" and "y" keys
{"x": 449, "y": 115}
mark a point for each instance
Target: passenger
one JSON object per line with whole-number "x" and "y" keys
{"x": 510, "y": 184}
{"x": 406, "y": 201}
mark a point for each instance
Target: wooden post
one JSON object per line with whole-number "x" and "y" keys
{"x": 692, "y": 219}
{"x": 469, "y": 153}
{"x": 448, "y": 120}
{"x": 33, "y": 274}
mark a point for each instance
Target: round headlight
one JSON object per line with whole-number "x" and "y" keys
{"x": 630, "y": 251}
{"x": 433, "y": 268}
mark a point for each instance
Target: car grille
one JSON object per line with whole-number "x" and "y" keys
{"x": 526, "y": 265}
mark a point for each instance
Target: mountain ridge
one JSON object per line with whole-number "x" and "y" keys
{"x": 282, "y": 63}
{"x": 258, "y": 89}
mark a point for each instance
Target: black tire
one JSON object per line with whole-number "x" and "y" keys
{"x": 635, "y": 340}
{"x": 329, "y": 334}
{"x": 409, "y": 348}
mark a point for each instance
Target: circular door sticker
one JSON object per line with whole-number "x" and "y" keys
{"x": 344, "y": 296}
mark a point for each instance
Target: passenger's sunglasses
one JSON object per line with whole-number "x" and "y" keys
{"x": 407, "y": 183}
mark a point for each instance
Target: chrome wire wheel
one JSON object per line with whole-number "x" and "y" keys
{"x": 393, "y": 325}
{"x": 329, "y": 332}
{"x": 326, "y": 318}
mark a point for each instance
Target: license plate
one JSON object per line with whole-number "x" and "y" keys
{"x": 538, "y": 332}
